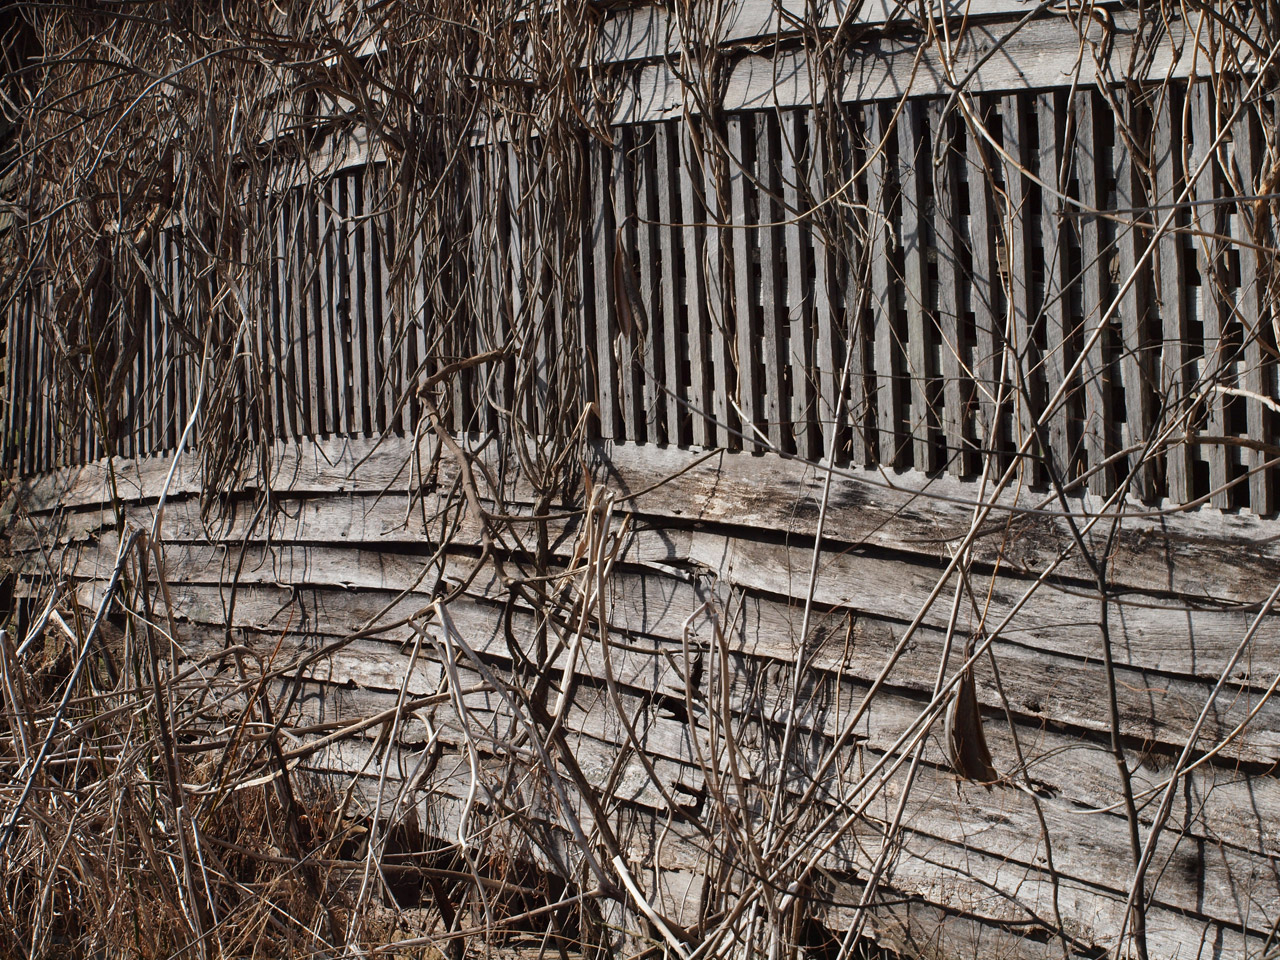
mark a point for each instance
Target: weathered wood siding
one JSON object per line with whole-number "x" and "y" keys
{"x": 737, "y": 530}
{"x": 903, "y": 293}
{"x": 1009, "y": 305}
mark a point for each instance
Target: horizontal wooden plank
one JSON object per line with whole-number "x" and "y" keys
{"x": 1072, "y": 765}
{"x": 651, "y": 31}
{"x": 998, "y": 889}
{"x": 365, "y": 521}
{"x": 1168, "y": 636}
{"x": 1217, "y": 801}
{"x": 992, "y": 58}
{"x": 1045, "y": 695}
{"x": 1052, "y": 649}
{"x": 1200, "y": 554}
{"x": 1161, "y": 643}
{"x": 1203, "y": 875}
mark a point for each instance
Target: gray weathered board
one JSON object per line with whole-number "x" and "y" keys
{"x": 746, "y": 308}
{"x": 346, "y": 546}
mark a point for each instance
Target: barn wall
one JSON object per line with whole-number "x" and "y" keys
{"x": 342, "y": 548}
{"x": 843, "y": 394}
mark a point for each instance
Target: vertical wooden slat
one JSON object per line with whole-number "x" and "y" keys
{"x": 746, "y": 311}
{"x": 513, "y": 232}
{"x": 287, "y": 335}
{"x": 693, "y": 241}
{"x": 630, "y": 378}
{"x": 1053, "y": 306}
{"x": 1017, "y": 158}
{"x": 1091, "y": 171}
{"x": 12, "y": 321}
{"x": 19, "y": 388}
{"x": 15, "y": 389}
{"x": 913, "y": 161}
{"x": 131, "y": 426}
{"x": 176, "y": 345}
{"x": 1135, "y": 362}
{"x": 398, "y": 281}
{"x": 171, "y": 343}
{"x": 12, "y": 391}
{"x": 382, "y": 265}
{"x": 39, "y": 425}
{"x": 984, "y": 299}
{"x": 826, "y": 408}
{"x": 195, "y": 318}
{"x": 241, "y": 413}
{"x": 649, "y": 338}
{"x": 497, "y": 387}
{"x": 327, "y": 375}
{"x": 799, "y": 360}
{"x": 1171, "y": 286}
{"x": 258, "y": 268}
{"x": 306, "y": 297}
{"x": 163, "y": 333}
{"x": 1215, "y": 363}
{"x": 282, "y": 333}
{"x": 724, "y": 372}
{"x": 556, "y": 271}
{"x": 410, "y": 314}
{"x": 493, "y": 388}
{"x": 547, "y": 262}
{"x": 47, "y": 386}
{"x": 32, "y": 413}
{"x": 39, "y": 386}
{"x": 341, "y": 299}
{"x": 357, "y": 406}
{"x": 14, "y": 386}
{"x": 367, "y": 300}
{"x": 146, "y": 369}
{"x": 299, "y": 314}
{"x": 29, "y": 424}
{"x": 269, "y": 372}
{"x": 423, "y": 320}
{"x": 195, "y": 287}
{"x": 888, "y": 354}
{"x": 1259, "y": 367}
{"x": 384, "y": 240}
{"x": 40, "y": 392}
{"x": 245, "y": 419}
{"x": 772, "y": 302}
{"x": 415, "y": 300}
{"x": 674, "y": 345}
{"x": 602, "y": 239}
{"x": 947, "y": 233}
{"x": 856, "y": 433}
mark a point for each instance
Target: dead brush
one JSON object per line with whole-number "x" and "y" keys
{"x": 145, "y": 813}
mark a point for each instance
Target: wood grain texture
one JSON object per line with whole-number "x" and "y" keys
{"x": 1092, "y": 171}
{"x": 1213, "y": 361}
{"x": 746, "y": 308}
{"x": 913, "y": 160}
{"x": 1259, "y": 364}
{"x": 1199, "y": 555}
{"x": 948, "y": 232}
{"x": 890, "y": 67}
{"x": 1171, "y": 287}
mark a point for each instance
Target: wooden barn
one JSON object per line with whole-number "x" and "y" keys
{"x": 746, "y": 477}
